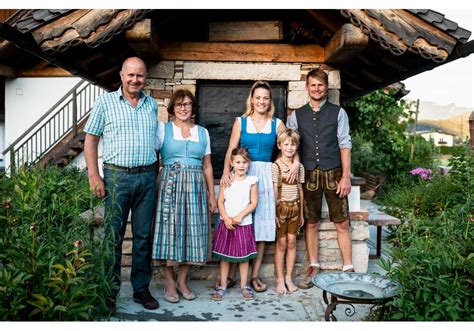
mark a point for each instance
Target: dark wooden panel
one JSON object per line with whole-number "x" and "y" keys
{"x": 220, "y": 103}
{"x": 246, "y": 31}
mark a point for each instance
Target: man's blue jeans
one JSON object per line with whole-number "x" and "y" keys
{"x": 135, "y": 192}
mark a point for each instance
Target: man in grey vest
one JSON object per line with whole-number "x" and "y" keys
{"x": 325, "y": 151}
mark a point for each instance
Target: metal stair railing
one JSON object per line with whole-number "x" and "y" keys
{"x": 61, "y": 119}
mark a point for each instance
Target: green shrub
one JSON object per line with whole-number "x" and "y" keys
{"x": 421, "y": 198}
{"x": 378, "y": 121}
{"x": 433, "y": 262}
{"x": 433, "y": 257}
{"x": 450, "y": 150}
{"x": 50, "y": 266}
{"x": 424, "y": 156}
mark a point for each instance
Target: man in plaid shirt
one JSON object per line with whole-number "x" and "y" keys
{"x": 127, "y": 121}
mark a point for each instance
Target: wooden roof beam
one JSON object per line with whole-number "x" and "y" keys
{"x": 143, "y": 38}
{"x": 44, "y": 72}
{"x": 322, "y": 18}
{"x": 110, "y": 71}
{"x": 345, "y": 44}
{"x": 260, "y": 52}
{"x": 7, "y": 71}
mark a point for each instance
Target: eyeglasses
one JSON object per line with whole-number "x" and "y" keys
{"x": 186, "y": 105}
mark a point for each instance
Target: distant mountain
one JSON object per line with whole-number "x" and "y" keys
{"x": 455, "y": 125}
{"x": 432, "y": 111}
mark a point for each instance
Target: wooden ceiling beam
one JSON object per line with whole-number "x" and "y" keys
{"x": 7, "y": 71}
{"x": 40, "y": 65}
{"x": 43, "y": 72}
{"x": 114, "y": 70}
{"x": 324, "y": 20}
{"x": 345, "y": 44}
{"x": 259, "y": 52}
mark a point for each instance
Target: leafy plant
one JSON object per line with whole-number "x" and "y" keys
{"x": 380, "y": 144}
{"x": 378, "y": 121}
{"x": 432, "y": 256}
{"x": 51, "y": 268}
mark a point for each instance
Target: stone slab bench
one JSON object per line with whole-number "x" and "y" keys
{"x": 380, "y": 219}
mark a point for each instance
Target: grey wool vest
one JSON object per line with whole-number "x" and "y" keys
{"x": 318, "y": 131}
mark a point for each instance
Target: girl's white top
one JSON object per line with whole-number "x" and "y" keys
{"x": 237, "y": 198}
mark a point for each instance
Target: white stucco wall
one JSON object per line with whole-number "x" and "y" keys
{"x": 439, "y": 137}
{"x": 27, "y": 99}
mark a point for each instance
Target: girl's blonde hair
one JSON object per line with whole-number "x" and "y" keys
{"x": 259, "y": 84}
{"x": 242, "y": 151}
{"x": 288, "y": 134}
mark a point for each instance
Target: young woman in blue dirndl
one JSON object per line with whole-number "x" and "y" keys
{"x": 257, "y": 130}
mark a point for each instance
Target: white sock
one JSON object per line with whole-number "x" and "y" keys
{"x": 347, "y": 267}
{"x": 315, "y": 264}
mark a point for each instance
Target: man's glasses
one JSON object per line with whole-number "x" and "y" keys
{"x": 186, "y": 105}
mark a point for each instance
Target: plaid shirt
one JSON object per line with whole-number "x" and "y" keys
{"x": 129, "y": 133}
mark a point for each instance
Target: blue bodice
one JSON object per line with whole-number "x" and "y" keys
{"x": 259, "y": 145}
{"x": 185, "y": 152}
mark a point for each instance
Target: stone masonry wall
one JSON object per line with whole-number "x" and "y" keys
{"x": 166, "y": 76}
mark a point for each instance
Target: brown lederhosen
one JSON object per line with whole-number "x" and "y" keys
{"x": 287, "y": 212}
{"x": 318, "y": 181}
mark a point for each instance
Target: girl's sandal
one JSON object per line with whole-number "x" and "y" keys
{"x": 219, "y": 293}
{"x": 230, "y": 283}
{"x": 247, "y": 293}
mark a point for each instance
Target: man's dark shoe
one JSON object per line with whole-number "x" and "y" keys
{"x": 111, "y": 303}
{"x": 145, "y": 298}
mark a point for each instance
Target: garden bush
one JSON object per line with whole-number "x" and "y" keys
{"x": 432, "y": 256}
{"x": 378, "y": 121}
{"x": 51, "y": 268}
{"x": 380, "y": 145}
{"x": 450, "y": 150}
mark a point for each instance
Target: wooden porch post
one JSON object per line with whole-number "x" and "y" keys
{"x": 471, "y": 130}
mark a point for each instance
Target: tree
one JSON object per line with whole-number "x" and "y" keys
{"x": 378, "y": 122}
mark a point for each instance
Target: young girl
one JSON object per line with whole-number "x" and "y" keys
{"x": 289, "y": 206}
{"x": 234, "y": 239}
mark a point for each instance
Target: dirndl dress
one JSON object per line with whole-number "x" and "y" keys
{"x": 182, "y": 225}
{"x": 237, "y": 245}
